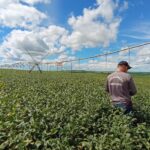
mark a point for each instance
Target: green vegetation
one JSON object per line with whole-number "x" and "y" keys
{"x": 64, "y": 111}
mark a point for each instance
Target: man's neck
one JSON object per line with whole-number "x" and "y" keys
{"x": 121, "y": 71}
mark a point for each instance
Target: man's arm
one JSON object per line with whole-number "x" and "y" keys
{"x": 132, "y": 87}
{"x": 107, "y": 87}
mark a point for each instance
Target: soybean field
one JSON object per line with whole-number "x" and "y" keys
{"x": 69, "y": 111}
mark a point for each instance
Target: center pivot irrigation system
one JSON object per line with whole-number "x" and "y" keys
{"x": 60, "y": 64}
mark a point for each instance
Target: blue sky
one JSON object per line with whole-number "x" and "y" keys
{"x": 111, "y": 25}
{"x": 135, "y": 15}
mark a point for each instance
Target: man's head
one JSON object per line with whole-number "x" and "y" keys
{"x": 123, "y": 66}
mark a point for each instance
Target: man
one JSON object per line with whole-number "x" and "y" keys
{"x": 121, "y": 87}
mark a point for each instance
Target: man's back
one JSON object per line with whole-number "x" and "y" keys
{"x": 121, "y": 87}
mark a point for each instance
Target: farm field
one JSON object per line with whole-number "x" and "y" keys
{"x": 64, "y": 111}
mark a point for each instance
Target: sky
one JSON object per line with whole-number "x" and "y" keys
{"x": 57, "y": 30}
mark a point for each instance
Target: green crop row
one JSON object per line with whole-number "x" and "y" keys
{"x": 64, "y": 111}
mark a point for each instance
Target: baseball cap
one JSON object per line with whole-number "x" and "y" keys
{"x": 125, "y": 63}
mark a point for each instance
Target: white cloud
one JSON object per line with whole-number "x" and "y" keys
{"x": 32, "y": 2}
{"x": 124, "y": 53}
{"x": 19, "y": 44}
{"x": 14, "y": 14}
{"x": 139, "y": 31}
{"x": 96, "y": 27}
{"x": 64, "y": 57}
{"x": 95, "y": 66}
{"x": 139, "y": 58}
{"x": 143, "y": 55}
{"x": 145, "y": 50}
{"x": 124, "y": 6}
